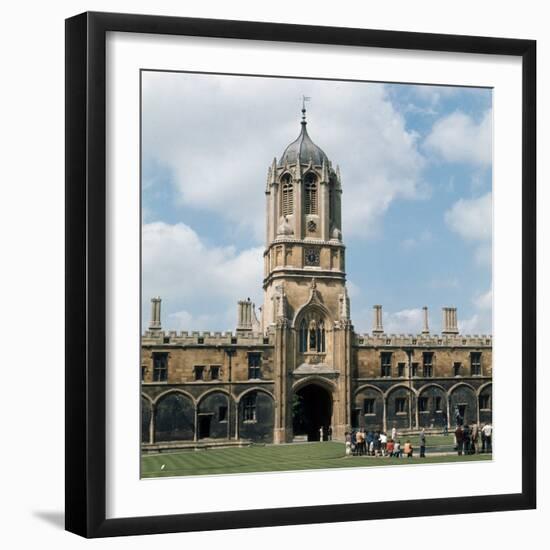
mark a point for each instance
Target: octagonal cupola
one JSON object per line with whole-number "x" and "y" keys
{"x": 303, "y": 149}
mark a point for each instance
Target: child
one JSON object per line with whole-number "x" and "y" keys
{"x": 397, "y": 450}
{"x": 390, "y": 447}
{"x": 348, "y": 444}
{"x": 408, "y": 449}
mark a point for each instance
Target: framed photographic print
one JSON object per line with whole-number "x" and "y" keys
{"x": 300, "y": 274}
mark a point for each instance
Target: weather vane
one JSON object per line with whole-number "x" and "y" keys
{"x": 304, "y": 99}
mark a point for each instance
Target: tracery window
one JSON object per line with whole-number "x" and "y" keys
{"x": 311, "y": 194}
{"x": 311, "y": 335}
{"x": 428, "y": 367}
{"x": 254, "y": 365}
{"x": 160, "y": 367}
{"x": 475, "y": 363}
{"x": 249, "y": 407}
{"x": 287, "y": 196}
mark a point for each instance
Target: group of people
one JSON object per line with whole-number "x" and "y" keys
{"x": 467, "y": 439}
{"x": 360, "y": 443}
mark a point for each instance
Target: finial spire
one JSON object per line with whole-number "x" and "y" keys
{"x": 304, "y": 99}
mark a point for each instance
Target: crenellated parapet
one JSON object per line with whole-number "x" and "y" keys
{"x": 422, "y": 340}
{"x": 203, "y": 338}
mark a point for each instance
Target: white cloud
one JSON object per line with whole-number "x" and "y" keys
{"x": 217, "y": 135}
{"x": 481, "y": 320}
{"x": 484, "y": 301}
{"x": 413, "y": 242}
{"x": 191, "y": 276}
{"x": 478, "y": 323}
{"x": 458, "y": 138}
{"x": 483, "y": 255}
{"x": 353, "y": 289}
{"x": 450, "y": 282}
{"x": 406, "y": 321}
{"x": 417, "y": 110}
{"x": 410, "y": 321}
{"x": 472, "y": 220}
{"x": 434, "y": 94}
{"x": 185, "y": 320}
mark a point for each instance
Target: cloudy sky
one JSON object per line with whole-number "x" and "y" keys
{"x": 416, "y": 166}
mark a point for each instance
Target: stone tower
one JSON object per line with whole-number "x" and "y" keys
{"x": 305, "y": 297}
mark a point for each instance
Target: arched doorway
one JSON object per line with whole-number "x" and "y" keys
{"x": 311, "y": 411}
{"x": 174, "y": 418}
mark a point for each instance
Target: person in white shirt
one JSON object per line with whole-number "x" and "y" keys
{"x": 383, "y": 443}
{"x": 486, "y": 438}
{"x": 397, "y": 449}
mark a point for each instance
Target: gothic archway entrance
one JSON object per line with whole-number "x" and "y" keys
{"x": 311, "y": 411}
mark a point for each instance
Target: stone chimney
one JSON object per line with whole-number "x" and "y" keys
{"x": 377, "y": 327}
{"x": 425, "y": 327}
{"x": 246, "y": 317}
{"x": 450, "y": 325}
{"x": 155, "y": 314}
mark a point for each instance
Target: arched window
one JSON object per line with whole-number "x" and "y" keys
{"x": 249, "y": 407}
{"x": 311, "y": 335}
{"x": 311, "y": 194}
{"x": 331, "y": 203}
{"x": 287, "y": 196}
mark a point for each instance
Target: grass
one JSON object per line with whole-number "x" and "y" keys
{"x": 431, "y": 440}
{"x": 274, "y": 458}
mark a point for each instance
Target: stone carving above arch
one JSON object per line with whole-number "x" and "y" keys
{"x": 400, "y": 386}
{"x": 325, "y": 383}
{"x": 174, "y": 390}
{"x": 314, "y": 303}
{"x": 368, "y": 387}
{"x": 483, "y": 387}
{"x": 254, "y": 389}
{"x": 431, "y": 385}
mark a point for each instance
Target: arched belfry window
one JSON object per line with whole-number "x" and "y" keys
{"x": 311, "y": 335}
{"x": 287, "y": 196}
{"x": 331, "y": 202}
{"x": 311, "y": 194}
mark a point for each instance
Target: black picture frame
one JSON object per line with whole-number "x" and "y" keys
{"x": 86, "y": 273}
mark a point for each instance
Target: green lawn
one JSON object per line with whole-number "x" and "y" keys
{"x": 431, "y": 440}
{"x": 269, "y": 458}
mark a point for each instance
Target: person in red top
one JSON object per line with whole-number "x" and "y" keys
{"x": 389, "y": 447}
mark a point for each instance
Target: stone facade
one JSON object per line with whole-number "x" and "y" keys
{"x": 301, "y": 371}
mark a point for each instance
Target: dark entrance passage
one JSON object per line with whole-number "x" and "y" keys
{"x": 205, "y": 421}
{"x": 311, "y": 411}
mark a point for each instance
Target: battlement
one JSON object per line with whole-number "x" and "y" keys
{"x": 286, "y": 239}
{"x": 424, "y": 340}
{"x": 199, "y": 338}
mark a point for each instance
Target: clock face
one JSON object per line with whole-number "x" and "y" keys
{"x": 312, "y": 256}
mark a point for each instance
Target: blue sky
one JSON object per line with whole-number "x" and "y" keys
{"x": 416, "y": 165}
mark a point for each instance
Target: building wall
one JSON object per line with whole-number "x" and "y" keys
{"x": 431, "y": 400}
{"x": 184, "y": 358}
{"x": 172, "y": 410}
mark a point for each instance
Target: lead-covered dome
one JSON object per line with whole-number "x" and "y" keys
{"x": 303, "y": 149}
